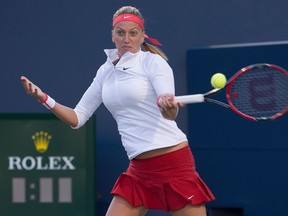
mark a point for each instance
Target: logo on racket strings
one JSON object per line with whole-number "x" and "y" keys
{"x": 262, "y": 93}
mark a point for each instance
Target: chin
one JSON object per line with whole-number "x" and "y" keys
{"x": 124, "y": 50}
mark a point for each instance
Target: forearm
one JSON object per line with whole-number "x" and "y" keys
{"x": 66, "y": 114}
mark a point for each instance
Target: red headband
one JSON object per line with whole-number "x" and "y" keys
{"x": 137, "y": 20}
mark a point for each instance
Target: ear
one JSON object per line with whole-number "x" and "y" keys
{"x": 112, "y": 36}
{"x": 143, "y": 38}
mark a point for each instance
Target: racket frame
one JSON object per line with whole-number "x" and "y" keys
{"x": 199, "y": 98}
{"x": 246, "y": 70}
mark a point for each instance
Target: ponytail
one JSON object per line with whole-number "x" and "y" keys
{"x": 155, "y": 50}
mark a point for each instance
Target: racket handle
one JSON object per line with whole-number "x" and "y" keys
{"x": 186, "y": 99}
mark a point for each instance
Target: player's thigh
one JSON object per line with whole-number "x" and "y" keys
{"x": 191, "y": 210}
{"x": 120, "y": 206}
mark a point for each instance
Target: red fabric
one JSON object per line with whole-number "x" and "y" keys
{"x": 153, "y": 40}
{"x": 139, "y": 21}
{"x": 129, "y": 17}
{"x": 166, "y": 182}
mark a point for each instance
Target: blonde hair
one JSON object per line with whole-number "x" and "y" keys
{"x": 136, "y": 12}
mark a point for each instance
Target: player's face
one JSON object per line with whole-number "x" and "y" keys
{"x": 127, "y": 36}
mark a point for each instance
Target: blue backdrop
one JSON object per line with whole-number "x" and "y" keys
{"x": 59, "y": 45}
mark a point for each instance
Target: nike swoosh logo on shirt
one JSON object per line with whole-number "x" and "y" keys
{"x": 126, "y": 68}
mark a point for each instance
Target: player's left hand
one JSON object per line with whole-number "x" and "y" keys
{"x": 168, "y": 106}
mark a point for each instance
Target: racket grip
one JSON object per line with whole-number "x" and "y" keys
{"x": 186, "y": 99}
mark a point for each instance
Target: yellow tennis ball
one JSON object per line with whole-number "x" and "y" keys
{"x": 218, "y": 80}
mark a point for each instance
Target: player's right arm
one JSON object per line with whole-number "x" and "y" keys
{"x": 66, "y": 114}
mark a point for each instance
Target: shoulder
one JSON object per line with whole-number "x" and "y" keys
{"x": 152, "y": 60}
{"x": 103, "y": 71}
{"x": 155, "y": 66}
{"x": 152, "y": 56}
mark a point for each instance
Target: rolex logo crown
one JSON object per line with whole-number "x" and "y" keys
{"x": 41, "y": 140}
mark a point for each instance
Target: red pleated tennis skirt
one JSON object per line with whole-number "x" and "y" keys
{"x": 166, "y": 182}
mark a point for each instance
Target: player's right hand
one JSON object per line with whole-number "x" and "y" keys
{"x": 32, "y": 89}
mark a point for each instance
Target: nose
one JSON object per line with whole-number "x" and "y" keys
{"x": 126, "y": 38}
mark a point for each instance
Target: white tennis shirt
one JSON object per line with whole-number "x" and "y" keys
{"x": 129, "y": 90}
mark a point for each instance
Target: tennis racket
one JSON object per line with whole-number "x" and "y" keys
{"x": 257, "y": 92}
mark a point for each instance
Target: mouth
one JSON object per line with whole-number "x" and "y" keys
{"x": 126, "y": 47}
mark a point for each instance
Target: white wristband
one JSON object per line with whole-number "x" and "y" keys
{"x": 48, "y": 102}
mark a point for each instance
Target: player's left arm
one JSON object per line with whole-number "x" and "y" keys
{"x": 161, "y": 76}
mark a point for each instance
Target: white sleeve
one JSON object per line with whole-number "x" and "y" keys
{"x": 89, "y": 102}
{"x": 161, "y": 76}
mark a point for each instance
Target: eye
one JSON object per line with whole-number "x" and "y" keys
{"x": 133, "y": 33}
{"x": 120, "y": 32}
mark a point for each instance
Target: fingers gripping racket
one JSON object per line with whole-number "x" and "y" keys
{"x": 257, "y": 92}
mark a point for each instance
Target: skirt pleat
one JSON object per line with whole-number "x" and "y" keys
{"x": 166, "y": 182}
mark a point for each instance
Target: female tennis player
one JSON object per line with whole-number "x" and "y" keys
{"x": 137, "y": 87}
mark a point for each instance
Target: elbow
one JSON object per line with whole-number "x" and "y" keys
{"x": 74, "y": 126}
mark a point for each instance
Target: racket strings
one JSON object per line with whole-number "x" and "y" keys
{"x": 260, "y": 92}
